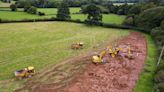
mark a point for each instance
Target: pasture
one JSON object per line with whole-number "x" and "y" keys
{"x": 44, "y": 44}
{"x": 51, "y": 12}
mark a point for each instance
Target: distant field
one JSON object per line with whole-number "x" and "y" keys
{"x": 51, "y": 12}
{"x": 54, "y": 10}
{"x": 9, "y": 15}
{"x": 107, "y": 18}
{"x": 4, "y": 4}
{"x": 43, "y": 44}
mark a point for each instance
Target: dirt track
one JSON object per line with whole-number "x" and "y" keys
{"x": 79, "y": 75}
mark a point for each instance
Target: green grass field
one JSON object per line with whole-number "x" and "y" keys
{"x": 107, "y": 18}
{"x": 43, "y": 44}
{"x": 26, "y": 44}
{"x": 4, "y": 4}
{"x": 145, "y": 82}
{"x": 51, "y": 12}
{"x": 9, "y": 15}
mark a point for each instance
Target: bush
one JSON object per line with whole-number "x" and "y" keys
{"x": 150, "y": 18}
{"x": 160, "y": 87}
{"x": 159, "y": 76}
{"x": 93, "y": 22}
{"x": 13, "y": 7}
{"x": 41, "y": 13}
{"x": 129, "y": 21}
{"x": 162, "y": 25}
{"x": 120, "y": 12}
{"x": 158, "y": 33}
{"x": 32, "y": 10}
{"x": 27, "y": 6}
{"x": 161, "y": 66}
{"x": 148, "y": 6}
{"x": 136, "y": 9}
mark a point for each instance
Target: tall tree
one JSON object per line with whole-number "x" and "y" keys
{"x": 13, "y": 7}
{"x": 63, "y": 12}
{"x": 94, "y": 12}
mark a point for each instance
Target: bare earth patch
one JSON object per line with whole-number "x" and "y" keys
{"x": 80, "y": 75}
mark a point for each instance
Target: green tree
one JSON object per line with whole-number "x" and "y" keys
{"x": 136, "y": 9}
{"x": 32, "y": 10}
{"x": 27, "y": 6}
{"x": 94, "y": 12}
{"x": 63, "y": 12}
{"x": 13, "y": 7}
{"x": 148, "y": 6}
{"x": 150, "y": 18}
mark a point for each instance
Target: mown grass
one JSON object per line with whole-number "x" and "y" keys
{"x": 43, "y": 44}
{"x": 39, "y": 44}
{"x": 51, "y": 12}
{"x": 145, "y": 82}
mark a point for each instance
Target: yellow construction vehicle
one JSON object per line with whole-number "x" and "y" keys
{"x": 78, "y": 45}
{"x": 114, "y": 51}
{"x": 98, "y": 58}
{"x": 110, "y": 52}
{"x": 25, "y": 73}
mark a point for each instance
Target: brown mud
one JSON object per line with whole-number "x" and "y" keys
{"x": 80, "y": 75}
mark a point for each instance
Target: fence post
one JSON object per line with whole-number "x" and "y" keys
{"x": 160, "y": 56}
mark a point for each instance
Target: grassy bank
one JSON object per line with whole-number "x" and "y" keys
{"x": 145, "y": 82}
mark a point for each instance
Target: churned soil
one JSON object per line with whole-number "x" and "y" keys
{"x": 80, "y": 75}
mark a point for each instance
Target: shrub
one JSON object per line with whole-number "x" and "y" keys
{"x": 104, "y": 10}
{"x": 161, "y": 66}
{"x": 162, "y": 25}
{"x": 129, "y": 21}
{"x": 32, "y": 10}
{"x": 150, "y": 18}
{"x": 159, "y": 76}
{"x": 158, "y": 33}
{"x": 148, "y": 6}
{"x": 13, "y": 7}
{"x": 136, "y": 9}
{"x": 161, "y": 87}
{"x": 41, "y": 13}
{"x": 93, "y": 22}
{"x": 27, "y": 6}
{"x": 120, "y": 12}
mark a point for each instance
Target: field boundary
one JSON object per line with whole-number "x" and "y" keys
{"x": 106, "y": 25}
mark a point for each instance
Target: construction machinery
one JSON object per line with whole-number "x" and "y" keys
{"x": 99, "y": 58}
{"x": 111, "y": 52}
{"x": 78, "y": 45}
{"x": 25, "y": 73}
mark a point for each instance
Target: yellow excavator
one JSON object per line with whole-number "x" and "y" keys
{"x": 111, "y": 52}
{"x": 25, "y": 73}
{"x": 78, "y": 45}
{"x": 98, "y": 58}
